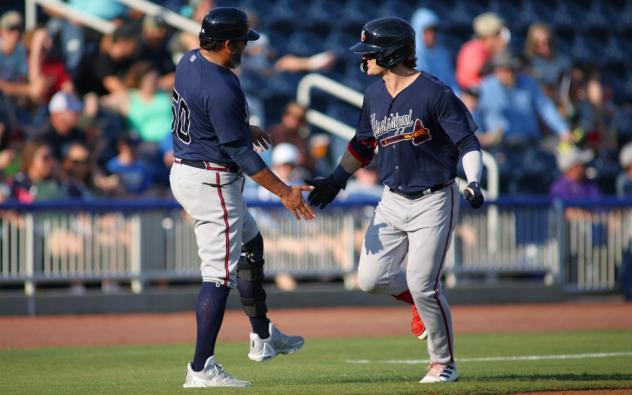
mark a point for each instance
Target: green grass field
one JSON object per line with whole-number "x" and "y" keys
{"x": 490, "y": 364}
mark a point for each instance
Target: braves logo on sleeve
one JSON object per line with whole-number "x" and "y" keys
{"x": 418, "y": 133}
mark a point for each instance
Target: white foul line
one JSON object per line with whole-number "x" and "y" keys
{"x": 499, "y": 359}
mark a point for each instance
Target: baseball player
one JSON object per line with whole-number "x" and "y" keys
{"x": 420, "y": 129}
{"x": 213, "y": 145}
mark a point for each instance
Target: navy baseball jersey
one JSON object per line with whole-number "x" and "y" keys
{"x": 209, "y": 109}
{"x": 416, "y": 132}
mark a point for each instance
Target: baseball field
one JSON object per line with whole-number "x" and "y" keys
{"x": 500, "y": 349}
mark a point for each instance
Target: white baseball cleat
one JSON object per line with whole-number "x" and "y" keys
{"x": 277, "y": 343}
{"x": 213, "y": 375}
{"x": 441, "y": 373}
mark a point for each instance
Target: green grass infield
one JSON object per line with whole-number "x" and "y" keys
{"x": 489, "y": 364}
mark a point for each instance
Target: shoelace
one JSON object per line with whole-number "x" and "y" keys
{"x": 219, "y": 371}
{"x": 436, "y": 369}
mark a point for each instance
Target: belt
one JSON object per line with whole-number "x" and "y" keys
{"x": 203, "y": 164}
{"x": 425, "y": 192}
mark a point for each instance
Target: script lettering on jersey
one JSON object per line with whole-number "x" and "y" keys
{"x": 399, "y": 124}
{"x": 393, "y": 122}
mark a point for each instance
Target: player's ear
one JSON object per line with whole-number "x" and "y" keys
{"x": 231, "y": 46}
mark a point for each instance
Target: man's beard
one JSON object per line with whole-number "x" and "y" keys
{"x": 235, "y": 60}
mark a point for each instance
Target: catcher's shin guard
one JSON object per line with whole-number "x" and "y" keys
{"x": 250, "y": 278}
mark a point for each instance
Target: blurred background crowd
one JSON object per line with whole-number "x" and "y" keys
{"x": 88, "y": 116}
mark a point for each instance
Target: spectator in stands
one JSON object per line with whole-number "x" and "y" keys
{"x": 285, "y": 165}
{"x": 153, "y": 48}
{"x": 292, "y": 130}
{"x": 432, "y": 57}
{"x": 320, "y": 155}
{"x": 13, "y": 58}
{"x": 103, "y": 75}
{"x": 318, "y": 62}
{"x": 364, "y": 184}
{"x": 62, "y": 129}
{"x": 586, "y": 108}
{"x": 547, "y": 65}
{"x": 624, "y": 180}
{"x": 134, "y": 175}
{"x": 81, "y": 179}
{"x": 259, "y": 57}
{"x": 511, "y": 104}
{"x": 36, "y": 179}
{"x": 47, "y": 72}
{"x": 573, "y": 182}
{"x": 491, "y": 39}
{"x": 146, "y": 107}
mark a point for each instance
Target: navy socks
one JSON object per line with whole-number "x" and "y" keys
{"x": 209, "y": 314}
{"x": 260, "y": 326}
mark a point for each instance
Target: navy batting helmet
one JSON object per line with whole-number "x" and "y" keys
{"x": 390, "y": 39}
{"x": 226, "y": 23}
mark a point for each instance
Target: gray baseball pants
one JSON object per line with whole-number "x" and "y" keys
{"x": 220, "y": 218}
{"x": 418, "y": 231}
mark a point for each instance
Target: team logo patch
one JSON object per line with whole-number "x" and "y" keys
{"x": 419, "y": 135}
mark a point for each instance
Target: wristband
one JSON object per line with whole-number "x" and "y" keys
{"x": 340, "y": 176}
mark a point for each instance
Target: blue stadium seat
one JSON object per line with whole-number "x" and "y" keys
{"x": 623, "y": 20}
{"x": 509, "y": 11}
{"x": 606, "y": 167}
{"x": 305, "y": 44}
{"x": 614, "y": 52}
{"x": 328, "y": 10}
{"x": 278, "y": 23}
{"x": 400, "y": 8}
{"x": 340, "y": 41}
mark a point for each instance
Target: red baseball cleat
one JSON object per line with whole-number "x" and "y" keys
{"x": 417, "y": 325}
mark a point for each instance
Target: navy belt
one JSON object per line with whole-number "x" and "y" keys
{"x": 425, "y": 192}
{"x": 203, "y": 164}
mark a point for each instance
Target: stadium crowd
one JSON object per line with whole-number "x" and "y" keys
{"x": 88, "y": 116}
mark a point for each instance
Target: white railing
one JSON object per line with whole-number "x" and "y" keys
{"x": 581, "y": 249}
{"x": 101, "y": 25}
{"x": 172, "y": 18}
{"x": 98, "y": 24}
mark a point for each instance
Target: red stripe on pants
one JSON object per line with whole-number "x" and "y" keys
{"x": 436, "y": 287}
{"x": 227, "y": 237}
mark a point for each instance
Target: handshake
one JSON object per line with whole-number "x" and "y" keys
{"x": 326, "y": 189}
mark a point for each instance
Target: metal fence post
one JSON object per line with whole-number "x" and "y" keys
{"x": 136, "y": 256}
{"x": 563, "y": 243}
{"x": 29, "y": 255}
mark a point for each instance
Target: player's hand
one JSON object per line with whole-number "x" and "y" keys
{"x": 260, "y": 138}
{"x": 294, "y": 202}
{"x": 474, "y": 195}
{"x": 325, "y": 191}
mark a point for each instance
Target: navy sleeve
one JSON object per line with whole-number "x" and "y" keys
{"x": 250, "y": 162}
{"x": 454, "y": 118}
{"x": 467, "y": 144}
{"x": 364, "y": 131}
{"x": 228, "y": 114}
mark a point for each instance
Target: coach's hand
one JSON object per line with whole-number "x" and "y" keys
{"x": 474, "y": 195}
{"x": 293, "y": 200}
{"x": 325, "y": 191}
